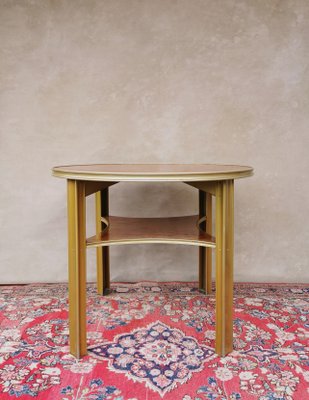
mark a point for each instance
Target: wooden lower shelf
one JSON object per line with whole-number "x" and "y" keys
{"x": 178, "y": 230}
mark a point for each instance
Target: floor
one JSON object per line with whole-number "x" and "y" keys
{"x": 151, "y": 340}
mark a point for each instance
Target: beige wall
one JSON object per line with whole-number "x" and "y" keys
{"x": 155, "y": 81}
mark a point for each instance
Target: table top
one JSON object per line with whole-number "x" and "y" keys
{"x": 152, "y": 172}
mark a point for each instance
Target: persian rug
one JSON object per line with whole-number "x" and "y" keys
{"x": 152, "y": 341}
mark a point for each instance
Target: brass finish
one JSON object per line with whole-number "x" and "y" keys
{"x": 209, "y": 250}
{"x": 201, "y": 221}
{"x": 95, "y": 186}
{"x": 202, "y": 250}
{"x": 209, "y": 179}
{"x": 106, "y": 222}
{"x": 224, "y": 267}
{"x": 152, "y": 172}
{"x": 178, "y": 230}
{"x": 208, "y": 187}
{"x": 205, "y": 254}
{"x": 77, "y": 267}
{"x": 103, "y": 267}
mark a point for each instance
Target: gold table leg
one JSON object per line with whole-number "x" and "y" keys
{"x": 205, "y": 254}
{"x": 103, "y": 263}
{"x": 224, "y": 266}
{"x": 77, "y": 267}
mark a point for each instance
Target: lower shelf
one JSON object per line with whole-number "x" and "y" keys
{"x": 178, "y": 230}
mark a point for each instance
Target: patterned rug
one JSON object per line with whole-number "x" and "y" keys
{"x": 149, "y": 341}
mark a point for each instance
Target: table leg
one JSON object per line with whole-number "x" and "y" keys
{"x": 205, "y": 253}
{"x": 77, "y": 267}
{"x": 224, "y": 266}
{"x": 103, "y": 263}
{"x": 209, "y": 249}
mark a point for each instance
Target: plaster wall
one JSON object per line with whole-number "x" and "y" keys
{"x": 131, "y": 81}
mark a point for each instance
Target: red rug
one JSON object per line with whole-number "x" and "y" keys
{"x": 149, "y": 341}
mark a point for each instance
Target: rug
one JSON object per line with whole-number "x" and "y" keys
{"x": 152, "y": 341}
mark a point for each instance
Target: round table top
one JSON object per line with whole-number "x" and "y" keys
{"x": 152, "y": 172}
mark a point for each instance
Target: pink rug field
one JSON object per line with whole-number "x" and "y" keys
{"x": 152, "y": 341}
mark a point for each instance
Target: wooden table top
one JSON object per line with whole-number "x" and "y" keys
{"x": 152, "y": 172}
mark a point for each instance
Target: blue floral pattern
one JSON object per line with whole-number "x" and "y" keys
{"x": 158, "y": 355}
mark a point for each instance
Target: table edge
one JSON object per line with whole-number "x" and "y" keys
{"x": 152, "y": 177}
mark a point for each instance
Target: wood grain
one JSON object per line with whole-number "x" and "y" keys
{"x": 123, "y": 230}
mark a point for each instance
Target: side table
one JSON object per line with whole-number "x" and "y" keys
{"x": 211, "y": 180}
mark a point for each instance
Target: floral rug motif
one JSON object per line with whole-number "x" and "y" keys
{"x": 158, "y": 355}
{"x": 153, "y": 341}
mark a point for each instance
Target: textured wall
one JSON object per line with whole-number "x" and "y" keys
{"x": 155, "y": 81}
